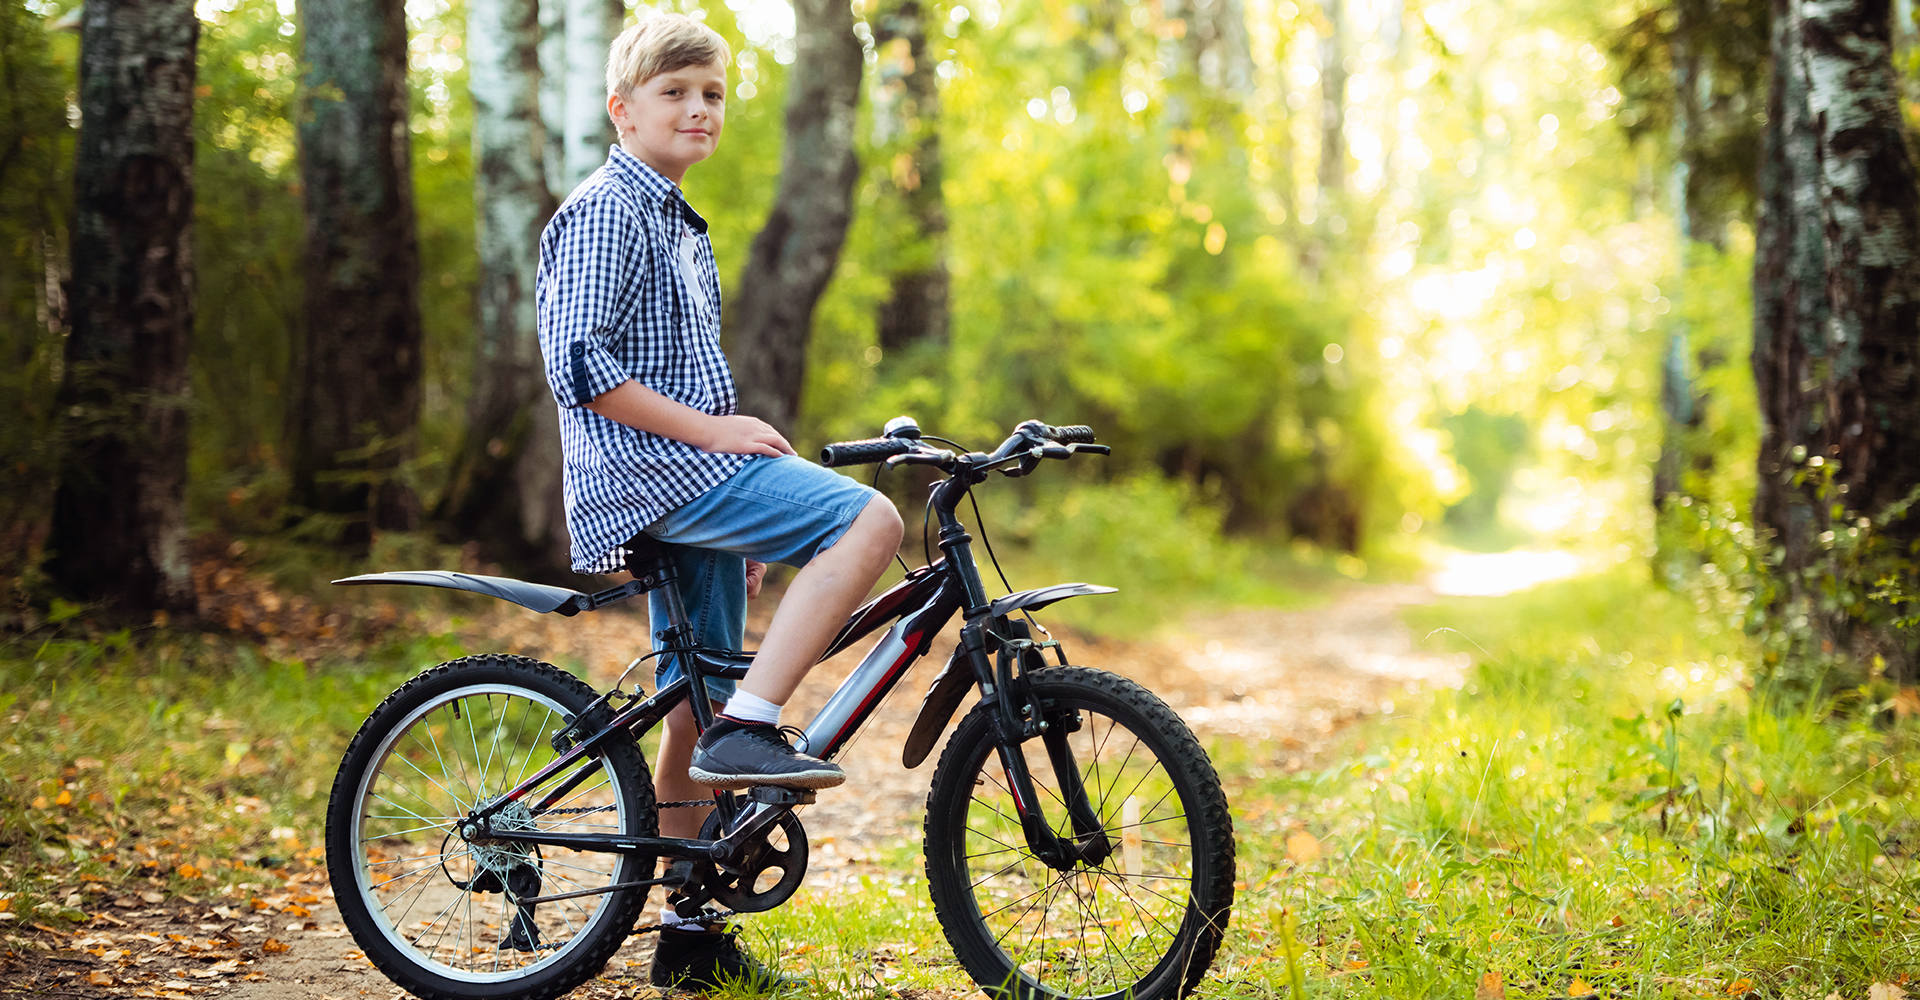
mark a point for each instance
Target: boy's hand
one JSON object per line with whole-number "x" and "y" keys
{"x": 743, "y": 435}
{"x": 636, "y": 405}
{"x": 756, "y": 575}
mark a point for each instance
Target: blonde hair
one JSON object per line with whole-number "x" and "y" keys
{"x": 661, "y": 43}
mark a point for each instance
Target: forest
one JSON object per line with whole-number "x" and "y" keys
{"x": 1342, "y": 282}
{"x": 1350, "y": 287}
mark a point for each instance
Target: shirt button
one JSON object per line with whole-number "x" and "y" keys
{"x": 579, "y": 350}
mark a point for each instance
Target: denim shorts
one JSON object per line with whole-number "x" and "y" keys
{"x": 774, "y": 510}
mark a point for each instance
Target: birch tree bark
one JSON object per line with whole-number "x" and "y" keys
{"x": 1837, "y": 311}
{"x": 358, "y": 369}
{"x": 794, "y": 255}
{"x": 119, "y": 520}
{"x": 1789, "y": 306}
{"x": 505, "y": 490}
{"x": 574, "y": 37}
{"x": 907, "y": 116}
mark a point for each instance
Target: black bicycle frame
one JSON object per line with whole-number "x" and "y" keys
{"x": 923, "y": 603}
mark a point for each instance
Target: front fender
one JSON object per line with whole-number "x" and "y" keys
{"x": 951, "y": 687}
{"x": 1034, "y": 600}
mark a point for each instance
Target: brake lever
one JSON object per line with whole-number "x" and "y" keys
{"x": 940, "y": 457}
{"x": 1091, "y": 449}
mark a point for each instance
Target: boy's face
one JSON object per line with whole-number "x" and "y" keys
{"x": 672, "y": 121}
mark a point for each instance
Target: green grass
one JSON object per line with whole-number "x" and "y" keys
{"x": 1604, "y": 800}
{"x": 182, "y": 763}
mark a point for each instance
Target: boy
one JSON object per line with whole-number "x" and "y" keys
{"x": 629, "y": 318}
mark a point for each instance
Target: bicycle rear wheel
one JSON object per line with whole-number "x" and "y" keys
{"x": 1140, "y": 922}
{"x": 439, "y": 914}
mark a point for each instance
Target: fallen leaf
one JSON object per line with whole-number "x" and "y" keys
{"x": 152, "y": 898}
{"x": 1303, "y": 848}
{"x": 1490, "y": 988}
{"x": 1885, "y": 991}
{"x": 275, "y": 946}
{"x": 99, "y": 978}
{"x": 188, "y": 871}
{"x": 65, "y": 798}
{"x": 1739, "y": 987}
{"x": 1579, "y": 988}
{"x": 40, "y": 802}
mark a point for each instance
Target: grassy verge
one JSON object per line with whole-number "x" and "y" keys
{"x": 185, "y": 765}
{"x": 1603, "y": 808}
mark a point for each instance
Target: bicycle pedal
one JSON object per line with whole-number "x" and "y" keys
{"x": 774, "y": 795}
{"x": 679, "y": 873}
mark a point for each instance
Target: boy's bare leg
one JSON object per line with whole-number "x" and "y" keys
{"x": 670, "y": 781}
{"x": 819, "y": 600}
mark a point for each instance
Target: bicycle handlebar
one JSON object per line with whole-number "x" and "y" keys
{"x": 865, "y": 452}
{"x": 1071, "y": 434}
{"x": 871, "y": 450}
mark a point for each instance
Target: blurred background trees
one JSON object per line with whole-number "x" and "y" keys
{"x": 1340, "y": 281}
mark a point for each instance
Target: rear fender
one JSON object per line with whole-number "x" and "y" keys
{"x": 536, "y": 596}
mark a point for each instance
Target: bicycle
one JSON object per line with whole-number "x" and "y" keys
{"x": 492, "y": 831}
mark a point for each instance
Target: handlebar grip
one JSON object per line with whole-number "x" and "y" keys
{"x": 864, "y": 452}
{"x": 1072, "y": 434}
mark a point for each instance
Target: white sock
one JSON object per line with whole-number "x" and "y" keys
{"x": 672, "y": 920}
{"x": 753, "y": 708}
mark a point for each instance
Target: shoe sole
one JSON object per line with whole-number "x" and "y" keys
{"x": 795, "y": 779}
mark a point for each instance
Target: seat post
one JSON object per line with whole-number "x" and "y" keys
{"x": 648, "y": 556}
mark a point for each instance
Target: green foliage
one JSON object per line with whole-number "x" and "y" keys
{"x": 1602, "y": 800}
{"x": 37, "y": 68}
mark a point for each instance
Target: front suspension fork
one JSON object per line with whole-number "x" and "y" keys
{"x": 1017, "y": 719}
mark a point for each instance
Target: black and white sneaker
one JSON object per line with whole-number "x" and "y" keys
{"x": 702, "y": 962}
{"x": 752, "y": 755}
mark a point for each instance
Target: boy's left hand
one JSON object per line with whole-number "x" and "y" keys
{"x": 756, "y": 574}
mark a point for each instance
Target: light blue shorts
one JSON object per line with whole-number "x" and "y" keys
{"x": 774, "y": 510}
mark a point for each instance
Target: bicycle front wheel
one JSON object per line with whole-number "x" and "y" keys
{"x": 442, "y": 915}
{"x": 1138, "y": 917}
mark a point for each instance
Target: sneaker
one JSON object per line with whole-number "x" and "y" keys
{"x": 759, "y": 755}
{"x": 696, "y": 961}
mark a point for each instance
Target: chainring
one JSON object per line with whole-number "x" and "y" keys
{"x": 735, "y": 889}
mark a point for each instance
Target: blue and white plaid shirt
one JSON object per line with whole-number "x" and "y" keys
{"x": 628, "y": 289}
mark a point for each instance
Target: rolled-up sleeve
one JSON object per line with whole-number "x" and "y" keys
{"x": 591, "y": 259}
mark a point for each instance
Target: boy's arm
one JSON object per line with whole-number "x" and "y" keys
{"x": 591, "y": 262}
{"x": 637, "y": 406}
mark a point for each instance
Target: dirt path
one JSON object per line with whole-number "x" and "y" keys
{"x": 1285, "y": 678}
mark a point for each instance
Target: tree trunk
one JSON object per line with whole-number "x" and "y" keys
{"x": 505, "y": 490}
{"x": 358, "y": 370}
{"x": 1333, "y": 109}
{"x": 574, "y": 37}
{"x": 1835, "y": 350}
{"x": 907, "y": 117}
{"x": 794, "y": 255}
{"x": 1214, "y": 48}
{"x": 1678, "y": 412}
{"x": 1789, "y": 309}
{"x": 119, "y": 519}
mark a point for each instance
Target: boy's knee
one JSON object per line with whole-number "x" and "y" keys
{"x": 883, "y": 521}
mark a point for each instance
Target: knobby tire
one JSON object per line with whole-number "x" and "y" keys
{"x": 459, "y": 734}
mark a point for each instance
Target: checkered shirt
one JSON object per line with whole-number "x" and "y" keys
{"x": 613, "y": 306}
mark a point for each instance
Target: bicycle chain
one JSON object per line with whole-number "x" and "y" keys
{"x": 583, "y": 810}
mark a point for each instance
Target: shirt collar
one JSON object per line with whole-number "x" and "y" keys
{"x": 653, "y": 186}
